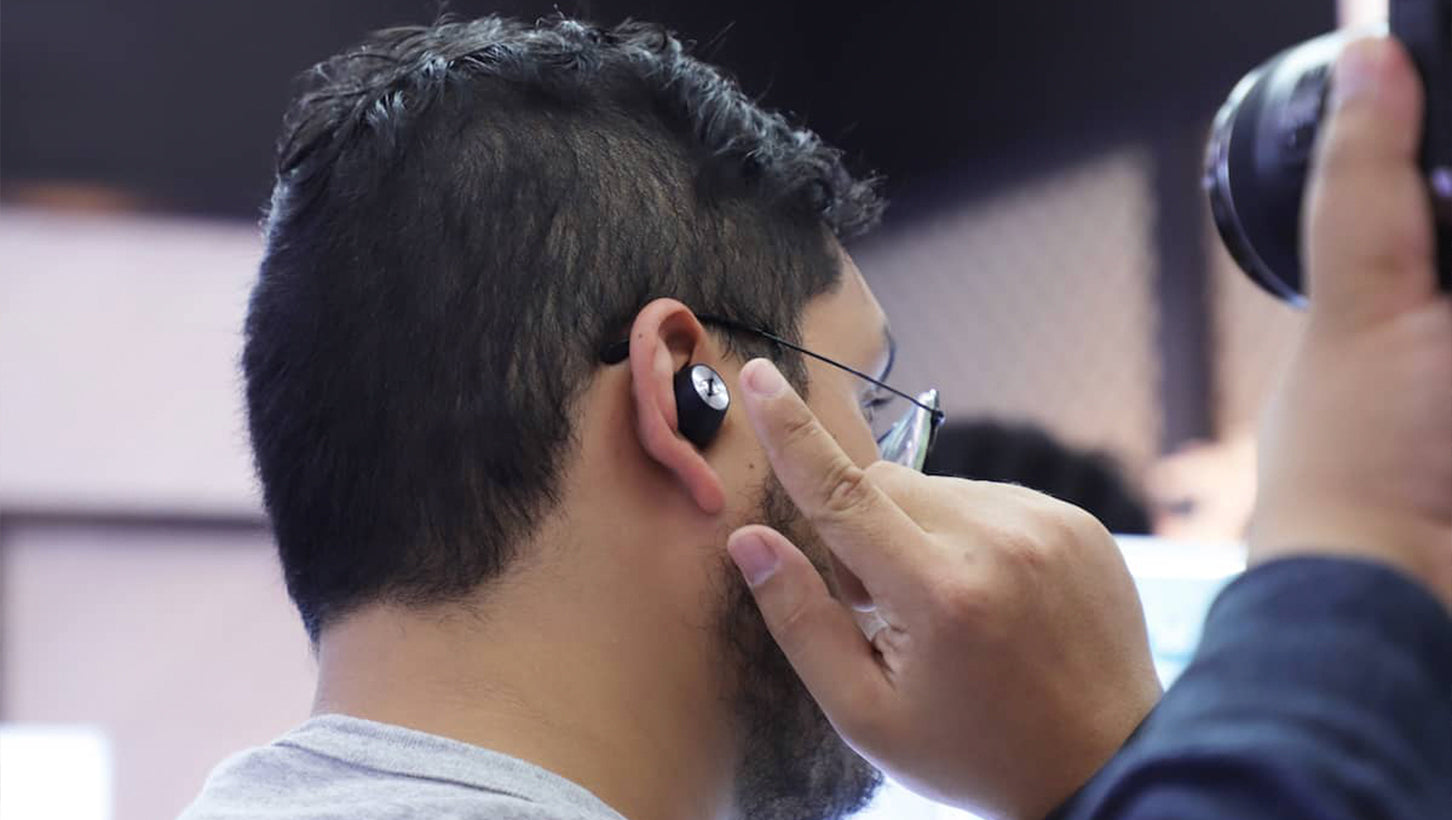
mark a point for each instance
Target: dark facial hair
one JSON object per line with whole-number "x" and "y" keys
{"x": 794, "y": 765}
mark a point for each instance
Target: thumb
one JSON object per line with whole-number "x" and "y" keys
{"x": 1369, "y": 220}
{"x": 815, "y": 631}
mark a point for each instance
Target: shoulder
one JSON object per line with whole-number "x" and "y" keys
{"x": 263, "y": 782}
{"x": 332, "y": 768}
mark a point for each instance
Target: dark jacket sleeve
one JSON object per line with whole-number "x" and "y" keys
{"x": 1322, "y": 689}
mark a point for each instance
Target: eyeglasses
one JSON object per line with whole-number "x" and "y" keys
{"x": 902, "y": 438}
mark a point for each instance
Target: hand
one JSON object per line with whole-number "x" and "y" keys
{"x": 1356, "y": 451}
{"x": 1011, "y": 660}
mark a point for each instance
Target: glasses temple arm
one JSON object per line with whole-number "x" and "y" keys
{"x": 938, "y": 415}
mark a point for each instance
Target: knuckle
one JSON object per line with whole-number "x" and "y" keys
{"x": 887, "y": 476}
{"x": 880, "y": 471}
{"x": 1085, "y": 525}
{"x": 1021, "y": 546}
{"x": 886, "y": 471}
{"x": 1075, "y": 529}
{"x": 960, "y": 605}
{"x": 846, "y": 489}
{"x": 1059, "y": 525}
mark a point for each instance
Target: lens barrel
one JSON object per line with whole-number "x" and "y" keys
{"x": 1259, "y": 157}
{"x": 1261, "y": 145}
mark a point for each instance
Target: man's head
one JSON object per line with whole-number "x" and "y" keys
{"x": 465, "y": 216}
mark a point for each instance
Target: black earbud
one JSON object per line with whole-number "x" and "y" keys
{"x": 701, "y": 403}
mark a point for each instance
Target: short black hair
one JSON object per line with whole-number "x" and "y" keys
{"x": 1028, "y": 455}
{"x": 464, "y": 214}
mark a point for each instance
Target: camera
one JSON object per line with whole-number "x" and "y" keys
{"x": 1261, "y": 144}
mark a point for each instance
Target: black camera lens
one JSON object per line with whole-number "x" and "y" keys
{"x": 1259, "y": 155}
{"x": 1261, "y": 144}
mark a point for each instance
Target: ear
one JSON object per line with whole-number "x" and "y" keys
{"x": 663, "y": 339}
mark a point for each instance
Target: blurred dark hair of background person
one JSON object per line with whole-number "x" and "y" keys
{"x": 1027, "y": 455}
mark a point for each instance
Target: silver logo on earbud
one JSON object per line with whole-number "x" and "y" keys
{"x": 710, "y": 387}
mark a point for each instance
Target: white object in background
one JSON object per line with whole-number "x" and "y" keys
{"x": 54, "y": 772}
{"x": 1177, "y": 581}
{"x": 1360, "y": 13}
{"x": 894, "y": 802}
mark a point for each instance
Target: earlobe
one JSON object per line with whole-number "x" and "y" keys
{"x": 663, "y": 339}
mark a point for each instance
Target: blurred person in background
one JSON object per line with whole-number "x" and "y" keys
{"x": 491, "y": 248}
{"x": 1027, "y": 455}
{"x": 1205, "y": 490}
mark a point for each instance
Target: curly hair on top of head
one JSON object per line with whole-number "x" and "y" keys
{"x": 464, "y": 214}
{"x": 393, "y": 76}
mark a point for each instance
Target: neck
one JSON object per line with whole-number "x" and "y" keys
{"x": 562, "y": 666}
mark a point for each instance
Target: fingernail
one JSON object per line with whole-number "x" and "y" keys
{"x": 753, "y": 557}
{"x": 1357, "y": 72}
{"x": 764, "y": 380}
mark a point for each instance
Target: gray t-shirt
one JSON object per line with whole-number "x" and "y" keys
{"x": 336, "y": 766}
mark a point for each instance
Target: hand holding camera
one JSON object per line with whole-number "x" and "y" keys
{"x": 1357, "y": 446}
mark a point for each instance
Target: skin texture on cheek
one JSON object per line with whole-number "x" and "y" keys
{"x": 847, "y": 325}
{"x": 836, "y": 400}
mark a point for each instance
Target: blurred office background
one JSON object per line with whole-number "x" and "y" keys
{"x": 1048, "y": 258}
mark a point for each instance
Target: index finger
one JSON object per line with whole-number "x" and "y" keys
{"x": 865, "y": 528}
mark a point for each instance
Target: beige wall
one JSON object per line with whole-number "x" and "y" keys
{"x": 119, "y": 405}
{"x": 178, "y": 642}
{"x": 1034, "y": 305}
{"x": 1252, "y": 338}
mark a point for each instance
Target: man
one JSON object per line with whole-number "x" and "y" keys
{"x": 492, "y": 248}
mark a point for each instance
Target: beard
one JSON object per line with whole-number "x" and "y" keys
{"x": 794, "y": 765}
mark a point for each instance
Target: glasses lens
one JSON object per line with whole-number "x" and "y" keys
{"x": 909, "y": 433}
{"x": 884, "y": 412}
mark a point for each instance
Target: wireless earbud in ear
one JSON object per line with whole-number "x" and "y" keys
{"x": 701, "y": 403}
